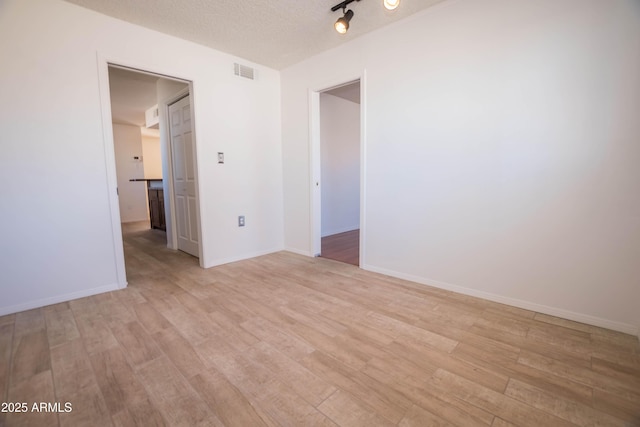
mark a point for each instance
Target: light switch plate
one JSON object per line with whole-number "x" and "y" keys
{"x": 221, "y": 158}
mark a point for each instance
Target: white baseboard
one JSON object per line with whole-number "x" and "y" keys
{"x": 242, "y": 257}
{"x": 43, "y": 302}
{"x": 552, "y": 311}
{"x": 299, "y": 252}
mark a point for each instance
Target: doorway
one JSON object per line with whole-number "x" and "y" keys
{"x": 161, "y": 90}
{"x": 337, "y": 135}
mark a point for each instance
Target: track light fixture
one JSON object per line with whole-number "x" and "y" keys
{"x": 391, "y": 4}
{"x": 342, "y": 24}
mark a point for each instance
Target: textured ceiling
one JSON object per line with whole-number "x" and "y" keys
{"x": 269, "y": 32}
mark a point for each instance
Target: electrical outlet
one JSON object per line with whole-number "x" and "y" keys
{"x": 221, "y": 158}
{"x": 241, "y": 221}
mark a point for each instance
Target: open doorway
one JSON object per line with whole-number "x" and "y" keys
{"x": 147, "y": 151}
{"x": 337, "y": 154}
{"x": 138, "y": 157}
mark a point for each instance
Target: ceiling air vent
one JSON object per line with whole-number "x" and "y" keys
{"x": 243, "y": 71}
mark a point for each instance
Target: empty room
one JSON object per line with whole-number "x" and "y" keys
{"x": 480, "y": 157}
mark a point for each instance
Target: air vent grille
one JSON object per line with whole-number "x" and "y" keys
{"x": 243, "y": 71}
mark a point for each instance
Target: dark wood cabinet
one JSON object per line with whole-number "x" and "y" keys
{"x": 155, "y": 195}
{"x": 156, "y": 208}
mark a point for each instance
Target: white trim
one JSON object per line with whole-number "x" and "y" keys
{"x": 243, "y": 257}
{"x": 110, "y": 165}
{"x": 315, "y": 199}
{"x": 58, "y": 299}
{"x": 176, "y": 97}
{"x": 363, "y": 167}
{"x": 148, "y": 69}
{"x": 194, "y": 130}
{"x": 315, "y": 196}
{"x": 552, "y": 311}
{"x": 298, "y": 251}
{"x": 122, "y": 65}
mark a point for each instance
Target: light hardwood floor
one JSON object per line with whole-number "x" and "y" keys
{"x": 285, "y": 340}
{"x": 343, "y": 247}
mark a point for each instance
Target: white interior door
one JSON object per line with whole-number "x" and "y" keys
{"x": 184, "y": 177}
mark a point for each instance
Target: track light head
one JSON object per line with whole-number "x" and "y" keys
{"x": 342, "y": 24}
{"x": 391, "y": 4}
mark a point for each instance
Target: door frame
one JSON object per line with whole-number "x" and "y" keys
{"x": 103, "y": 63}
{"x": 315, "y": 190}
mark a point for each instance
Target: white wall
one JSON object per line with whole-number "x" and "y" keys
{"x": 127, "y": 143}
{"x": 340, "y": 171}
{"x": 152, "y": 158}
{"x": 56, "y": 226}
{"x": 501, "y": 152}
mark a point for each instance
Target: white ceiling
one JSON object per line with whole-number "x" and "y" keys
{"x": 275, "y": 33}
{"x": 131, "y": 95}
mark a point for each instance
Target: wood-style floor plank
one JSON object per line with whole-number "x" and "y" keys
{"x": 173, "y": 396}
{"x": 140, "y": 414}
{"x": 574, "y": 412}
{"x": 61, "y": 324}
{"x": 418, "y": 417}
{"x": 342, "y": 247}
{"x": 30, "y": 357}
{"x": 33, "y": 390}
{"x": 224, "y": 399}
{"x": 88, "y": 408}
{"x": 287, "y": 340}
{"x": 346, "y": 410}
{"x": 117, "y": 380}
{"x": 6, "y": 344}
{"x": 28, "y": 322}
{"x": 505, "y": 407}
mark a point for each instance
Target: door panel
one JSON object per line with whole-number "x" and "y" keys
{"x": 178, "y": 165}
{"x": 184, "y": 175}
{"x": 189, "y": 166}
{"x": 181, "y": 212}
{"x": 193, "y": 226}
